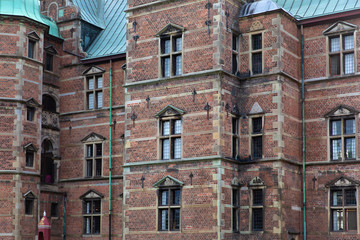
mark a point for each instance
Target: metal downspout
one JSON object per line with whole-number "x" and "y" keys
{"x": 110, "y": 138}
{"x": 303, "y": 126}
{"x": 65, "y": 200}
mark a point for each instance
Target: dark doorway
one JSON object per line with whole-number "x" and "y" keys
{"x": 47, "y": 163}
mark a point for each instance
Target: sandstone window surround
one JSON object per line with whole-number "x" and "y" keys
{"x": 33, "y": 39}
{"x": 341, "y": 48}
{"x": 93, "y": 85}
{"x": 31, "y": 105}
{"x": 170, "y": 133}
{"x": 256, "y": 59}
{"x": 170, "y": 50}
{"x": 169, "y": 204}
{"x": 91, "y": 212}
{"x": 257, "y": 193}
{"x": 30, "y": 150}
{"x": 342, "y": 133}
{"x": 256, "y": 123}
{"x": 235, "y": 53}
{"x": 93, "y": 155}
{"x": 343, "y": 195}
{"x": 50, "y": 52}
{"x": 29, "y": 199}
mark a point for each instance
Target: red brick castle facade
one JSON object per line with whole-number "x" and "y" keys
{"x": 180, "y": 119}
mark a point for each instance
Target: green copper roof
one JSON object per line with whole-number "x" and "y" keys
{"x": 304, "y": 9}
{"x": 111, "y": 18}
{"x": 29, "y": 9}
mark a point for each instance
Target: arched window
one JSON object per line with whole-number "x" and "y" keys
{"x": 49, "y": 103}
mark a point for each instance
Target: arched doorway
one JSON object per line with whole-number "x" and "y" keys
{"x": 47, "y": 162}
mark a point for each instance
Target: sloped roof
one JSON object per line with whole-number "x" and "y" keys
{"x": 29, "y": 9}
{"x": 112, "y": 39}
{"x": 305, "y": 9}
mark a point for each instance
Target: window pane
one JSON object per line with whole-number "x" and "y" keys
{"x": 257, "y": 197}
{"x": 177, "y": 148}
{"x": 335, "y": 64}
{"x": 336, "y": 198}
{"x": 89, "y": 166}
{"x": 235, "y": 125}
{"x": 348, "y": 42}
{"x": 178, "y": 44}
{"x": 54, "y": 210}
{"x": 349, "y": 63}
{"x": 163, "y": 219}
{"x": 351, "y": 219}
{"x": 257, "y": 125}
{"x": 235, "y": 146}
{"x": 235, "y": 41}
{"x": 337, "y": 220}
{"x": 29, "y": 203}
{"x": 335, "y": 44}
{"x": 31, "y": 49}
{"x": 97, "y": 206}
{"x": 175, "y": 221}
{"x": 256, "y": 42}
{"x": 164, "y": 200}
{"x": 166, "y": 128}
{"x": 30, "y": 113}
{"x": 90, "y": 101}
{"x": 235, "y": 219}
{"x": 257, "y": 147}
{"x": 89, "y": 150}
{"x": 49, "y": 62}
{"x": 177, "y": 127}
{"x": 234, "y": 63}
{"x": 257, "y": 63}
{"x": 87, "y": 207}
{"x": 257, "y": 219}
{"x": 349, "y": 148}
{"x": 349, "y": 126}
{"x": 99, "y": 82}
{"x": 98, "y": 149}
{"x": 87, "y": 225}
{"x": 336, "y": 149}
{"x": 29, "y": 159}
{"x": 176, "y": 196}
{"x": 235, "y": 195}
{"x": 178, "y": 65}
{"x": 96, "y": 225}
{"x": 166, "y": 69}
{"x": 166, "y": 46}
{"x": 350, "y": 197}
{"x": 166, "y": 149}
{"x": 98, "y": 167}
{"x": 335, "y": 127}
{"x": 90, "y": 83}
{"x": 99, "y": 99}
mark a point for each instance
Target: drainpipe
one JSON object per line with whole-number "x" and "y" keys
{"x": 65, "y": 200}
{"x": 303, "y": 126}
{"x": 110, "y": 138}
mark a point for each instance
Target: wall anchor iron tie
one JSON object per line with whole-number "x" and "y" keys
{"x": 136, "y": 37}
{"x": 207, "y": 108}
{"x": 208, "y": 6}
{"x": 194, "y": 93}
{"x": 191, "y": 177}
{"x": 148, "y": 100}
{"x": 227, "y": 107}
{"x": 142, "y": 181}
{"x": 133, "y": 117}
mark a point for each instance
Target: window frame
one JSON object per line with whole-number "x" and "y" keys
{"x": 170, "y": 137}
{"x": 342, "y": 137}
{"x": 94, "y": 159}
{"x": 343, "y": 208}
{"x": 341, "y": 53}
{"x": 235, "y": 50}
{"x": 256, "y": 51}
{"x": 170, "y": 207}
{"x": 171, "y": 55}
{"x": 92, "y": 215}
{"x": 256, "y": 134}
{"x": 254, "y": 206}
{"x": 94, "y": 91}
{"x": 235, "y": 137}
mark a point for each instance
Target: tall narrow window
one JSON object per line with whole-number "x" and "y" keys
{"x": 257, "y": 210}
{"x": 30, "y": 113}
{"x": 54, "y": 209}
{"x": 236, "y": 209}
{"x": 94, "y": 92}
{"x": 342, "y": 138}
{"x": 343, "y": 209}
{"x": 171, "y": 55}
{"x": 170, "y": 138}
{"x": 256, "y": 53}
{"x": 235, "y": 137}
{"x": 256, "y": 137}
{"x": 341, "y": 54}
{"x": 92, "y": 216}
{"x": 29, "y": 206}
{"x": 29, "y": 158}
{"x": 31, "y": 48}
{"x": 235, "y": 53}
{"x": 93, "y": 160}
{"x": 169, "y": 209}
{"x": 49, "y": 62}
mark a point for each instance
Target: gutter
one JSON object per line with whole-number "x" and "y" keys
{"x": 120, "y": 56}
{"x": 303, "y": 126}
